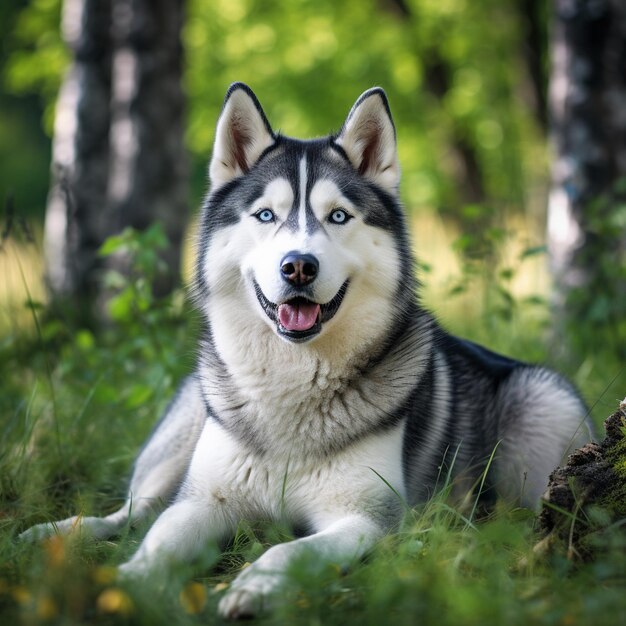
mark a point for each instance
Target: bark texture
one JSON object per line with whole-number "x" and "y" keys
{"x": 118, "y": 153}
{"x": 75, "y": 223}
{"x": 588, "y": 127}
{"x": 149, "y": 175}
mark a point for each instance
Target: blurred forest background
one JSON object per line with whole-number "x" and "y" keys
{"x": 137, "y": 87}
{"x": 467, "y": 86}
{"x": 511, "y": 127}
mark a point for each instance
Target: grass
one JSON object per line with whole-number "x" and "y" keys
{"x": 75, "y": 408}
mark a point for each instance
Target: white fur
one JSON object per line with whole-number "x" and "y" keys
{"x": 346, "y": 499}
{"x": 302, "y": 207}
{"x": 550, "y": 425}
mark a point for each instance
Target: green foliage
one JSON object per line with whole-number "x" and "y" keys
{"x": 134, "y": 304}
{"x": 308, "y": 61}
{"x": 454, "y": 70}
{"x": 488, "y": 271}
{"x": 70, "y": 391}
{"x": 38, "y": 56}
{"x": 436, "y": 570}
{"x": 24, "y": 149}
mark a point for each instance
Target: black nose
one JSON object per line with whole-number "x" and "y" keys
{"x": 299, "y": 269}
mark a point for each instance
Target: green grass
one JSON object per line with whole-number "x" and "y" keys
{"x": 75, "y": 408}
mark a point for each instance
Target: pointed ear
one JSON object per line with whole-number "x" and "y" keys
{"x": 242, "y": 134}
{"x": 368, "y": 137}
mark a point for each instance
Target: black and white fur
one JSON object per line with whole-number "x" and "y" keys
{"x": 324, "y": 426}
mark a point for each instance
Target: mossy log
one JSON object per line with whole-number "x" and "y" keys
{"x": 586, "y": 498}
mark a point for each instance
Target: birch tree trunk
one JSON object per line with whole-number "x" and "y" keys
{"x": 587, "y": 206}
{"x": 118, "y": 153}
{"x": 75, "y": 224}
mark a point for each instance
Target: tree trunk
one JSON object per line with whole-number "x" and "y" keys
{"x": 149, "y": 175}
{"x": 118, "y": 153}
{"x": 586, "y": 231}
{"x": 534, "y": 47}
{"x": 75, "y": 223}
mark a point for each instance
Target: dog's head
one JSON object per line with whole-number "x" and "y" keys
{"x": 304, "y": 234}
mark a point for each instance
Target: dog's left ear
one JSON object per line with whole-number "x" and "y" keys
{"x": 242, "y": 134}
{"x": 368, "y": 137}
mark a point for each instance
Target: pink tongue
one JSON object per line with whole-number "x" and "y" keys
{"x": 298, "y": 316}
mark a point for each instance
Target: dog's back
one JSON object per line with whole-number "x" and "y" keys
{"x": 489, "y": 422}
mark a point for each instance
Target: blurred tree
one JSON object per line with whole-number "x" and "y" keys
{"x": 118, "y": 154}
{"x": 587, "y": 209}
{"x": 77, "y": 215}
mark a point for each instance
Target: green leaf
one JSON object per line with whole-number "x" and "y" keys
{"x": 85, "y": 340}
{"x": 121, "y": 306}
{"x": 138, "y": 396}
{"x": 507, "y": 273}
{"x": 114, "y": 280}
{"x": 535, "y": 300}
{"x": 457, "y": 290}
{"x": 496, "y": 235}
{"x": 533, "y": 251}
{"x": 475, "y": 211}
{"x": 464, "y": 242}
{"x": 113, "y": 244}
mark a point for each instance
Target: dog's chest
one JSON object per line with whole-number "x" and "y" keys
{"x": 298, "y": 489}
{"x": 312, "y": 410}
{"x": 302, "y": 407}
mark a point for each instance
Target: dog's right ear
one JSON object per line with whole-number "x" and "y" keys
{"x": 242, "y": 134}
{"x": 368, "y": 138}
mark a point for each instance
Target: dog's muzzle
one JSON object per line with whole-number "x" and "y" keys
{"x": 300, "y": 319}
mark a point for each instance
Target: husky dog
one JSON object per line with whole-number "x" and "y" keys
{"x": 324, "y": 395}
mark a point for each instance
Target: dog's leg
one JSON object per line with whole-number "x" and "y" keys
{"x": 201, "y": 512}
{"x": 255, "y": 589}
{"x": 97, "y": 527}
{"x": 158, "y": 471}
{"x": 178, "y": 536}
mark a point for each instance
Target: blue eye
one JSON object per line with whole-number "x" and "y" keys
{"x": 265, "y": 215}
{"x": 338, "y": 216}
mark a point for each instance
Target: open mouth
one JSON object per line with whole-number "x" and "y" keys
{"x": 300, "y": 319}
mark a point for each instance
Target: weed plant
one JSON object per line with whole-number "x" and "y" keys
{"x": 75, "y": 408}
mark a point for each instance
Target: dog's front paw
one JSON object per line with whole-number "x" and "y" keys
{"x": 94, "y": 527}
{"x": 133, "y": 570}
{"x": 37, "y": 533}
{"x": 251, "y": 594}
{"x": 40, "y": 532}
{"x": 241, "y": 604}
